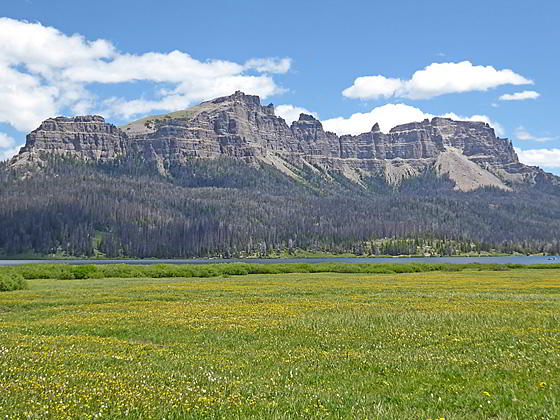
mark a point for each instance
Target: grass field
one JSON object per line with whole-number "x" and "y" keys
{"x": 453, "y": 345}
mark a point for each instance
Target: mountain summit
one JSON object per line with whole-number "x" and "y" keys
{"x": 238, "y": 126}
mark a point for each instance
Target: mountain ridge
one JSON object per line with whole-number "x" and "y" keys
{"x": 238, "y": 126}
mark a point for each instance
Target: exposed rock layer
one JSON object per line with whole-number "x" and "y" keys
{"x": 238, "y": 126}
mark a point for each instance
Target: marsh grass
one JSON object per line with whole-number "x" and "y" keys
{"x": 459, "y": 345}
{"x": 91, "y": 271}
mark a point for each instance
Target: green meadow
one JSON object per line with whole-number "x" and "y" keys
{"x": 452, "y": 342}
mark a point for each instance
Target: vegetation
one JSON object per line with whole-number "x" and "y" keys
{"x": 454, "y": 345}
{"x": 69, "y": 272}
{"x": 10, "y": 280}
{"x": 226, "y": 208}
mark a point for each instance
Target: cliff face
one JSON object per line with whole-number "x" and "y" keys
{"x": 88, "y": 137}
{"x": 239, "y": 126}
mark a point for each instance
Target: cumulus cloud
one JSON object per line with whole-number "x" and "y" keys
{"x": 44, "y": 49}
{"x": 269, "y": 65}
{"x": 434, "y": 80}
{"x": 546, "y": 158}
{"x": 391, "y": 115}
{"x": 173, "y": 67}
{"x": 24, "y": 100}
{"x": 6, "y": 141}
{"x": 520, "y": 96}
{"x": 523, "y": 134}
{"x": 387, "y": 116}
{"x": 374, "y": 87}
{"x": 45, "y": 72}
{"x": 290, "y": 113}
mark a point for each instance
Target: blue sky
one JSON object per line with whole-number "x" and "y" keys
{"x": 126, "y": 59}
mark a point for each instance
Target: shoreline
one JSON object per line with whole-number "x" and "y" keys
{"x": 269, "y": 257}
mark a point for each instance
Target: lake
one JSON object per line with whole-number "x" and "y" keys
{"x": 397, "y": 260}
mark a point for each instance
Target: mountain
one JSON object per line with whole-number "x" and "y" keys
{"x": 229, "y": 177}
{"x": 238, "y": 126}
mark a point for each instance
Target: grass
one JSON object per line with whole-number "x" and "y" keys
{"x": 467, "y": 344}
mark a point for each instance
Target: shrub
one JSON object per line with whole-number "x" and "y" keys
{"x": 12, "y": 281}
{"x": 235, "y": 269}
{"x": 83, "y": 271}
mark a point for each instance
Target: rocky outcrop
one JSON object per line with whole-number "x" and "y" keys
{"x": 238, "y": 126}
{"x": 88, "y": 137}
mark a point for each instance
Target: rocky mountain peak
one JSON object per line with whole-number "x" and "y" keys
{"x": 67, "y": 122}
{"x": 238, "y": 96}
{"x": 306, "y": 117}
{"x": 308, "y": 128}
{"x": 410, "y": 126}
{"x": 307, "y": 121}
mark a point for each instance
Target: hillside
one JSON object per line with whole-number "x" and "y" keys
{"x": 228, "y": 177}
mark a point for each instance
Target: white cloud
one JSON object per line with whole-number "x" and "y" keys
{"x": 373, "y": 87}
{"x": 546, "y": 158}
{"x": 434, "y": 80}
{"x": 173, "y": 67}
{"x": 520, "y": 96}
{"x": 387, "y": 116}
{"x": 24, "y": 100}
{"x": 391, "y": 115}
{"x": 6, "y": 141}
{"x": 290, "y": 113}
{"x": 269, "y": 65}
{"x": 7, "y": 147}
{"x": 523, "y": 134}
{"x": 45, "y": 72}
{"x": 43, "y": 48}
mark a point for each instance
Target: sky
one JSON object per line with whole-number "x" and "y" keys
{"x": 351, "y": 63}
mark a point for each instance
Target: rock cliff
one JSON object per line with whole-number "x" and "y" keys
{"x": 238, "y": 126}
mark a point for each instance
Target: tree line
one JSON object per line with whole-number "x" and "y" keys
{"x": 227, "y": 208}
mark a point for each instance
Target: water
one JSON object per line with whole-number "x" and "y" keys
{"x": 398, "y": 260}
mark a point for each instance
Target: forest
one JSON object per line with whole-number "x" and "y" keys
{"x": 225, "y": 207}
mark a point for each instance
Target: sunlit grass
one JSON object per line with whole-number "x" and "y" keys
{"x": 458, "y": 345}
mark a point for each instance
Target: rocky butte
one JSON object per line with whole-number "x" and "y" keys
{"x": 238, "y": 126}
